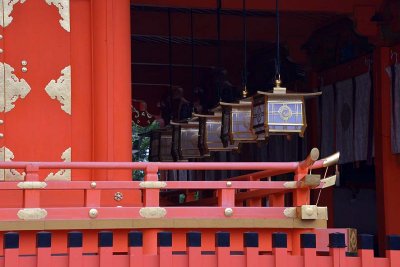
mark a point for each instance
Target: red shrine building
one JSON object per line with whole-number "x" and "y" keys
{"x": 200, "y": 133}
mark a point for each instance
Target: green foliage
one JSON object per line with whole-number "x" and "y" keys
{"x": 141, "y": 146}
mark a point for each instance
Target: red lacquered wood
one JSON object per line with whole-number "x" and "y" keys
{"x": 366, "y": 257}
{"x": 32, "y": 197}
{"x": 44, "y": 258}
{"x": 338, "y": 256}
{"x": 276, "y": 200}
{"x": 165, "y": 256}
{"x": 195, "y": 259}
{"x": 280, "y": 256}
{"x": 75, "y": 257}
{"x": 11, "y": 257}
{"x": 106, "y": 257}
{"x": 135, "y": 257}
{"x": 223, "y": 256}
{"x": 394, "y": 257}
{"x": 226, "y": 197}
{"x": 309, "y": 257}
{"x": 252, "y": 256}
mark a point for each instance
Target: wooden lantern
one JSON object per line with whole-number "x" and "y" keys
{"x": 237, "y": 123}
{"x": 161, "y": 145}
{"x": 279, "y": 113}
{"x": 185, "y": 140}
{"x": 210, "y": 134}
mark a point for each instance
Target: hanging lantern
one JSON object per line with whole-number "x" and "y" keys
{"x": 185, "y": 140}
{"x": 237, "y": 125}
{"x": 210, "y": 134}
{"x": 161, "y": 145}
{"x": 279, "y": 113}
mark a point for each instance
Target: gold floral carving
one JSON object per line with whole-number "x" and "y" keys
{"x": 9, "y": 174}
{"x": 11, "y": 87}
{"x": 153, "y": 212}
{"x": 61, "y": 89}
{"x": 32, "y": 214}
{"x": 152, "y": 184}
{"x": 32, "y": 185}
{"x": 63, "y": 9}
{"x": 6, "y": 8}
{"x": 63, "y": 174}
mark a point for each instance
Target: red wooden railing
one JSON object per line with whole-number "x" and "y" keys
{"x": 193, "y": 256}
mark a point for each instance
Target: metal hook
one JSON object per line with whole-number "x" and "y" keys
{"x": 368, "y": 61}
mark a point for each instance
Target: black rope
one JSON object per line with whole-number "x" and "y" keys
{"x": 278, "y": 60}
{"x": 244, "y": 44}
{"x": 170, "y": 49}
{"x": 192, "y": 43}
{"x": 219, "y": 63}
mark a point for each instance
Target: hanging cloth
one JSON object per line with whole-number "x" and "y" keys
{"x": 327, "y": 121}
{"x": 361, "y": 116}
{"x": 394, "y": 74}
{"x": 345, "y": 120}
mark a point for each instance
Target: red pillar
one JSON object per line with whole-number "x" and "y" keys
{"x": 111, "y": 90}
{"x": 387, "y": 165}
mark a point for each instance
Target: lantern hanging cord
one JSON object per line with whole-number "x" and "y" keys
{"x": 219, "y": 6}
{"x": 244, "y": 44}
{"x": 278, "y": 60}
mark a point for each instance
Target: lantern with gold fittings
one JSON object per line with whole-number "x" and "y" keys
{"x": 161, "y": 144}
{"x": 237, "y": 125}
{"x": 279, "y": 112}
{"x": 185, "y": 140}
{"x": 210, "y": 133}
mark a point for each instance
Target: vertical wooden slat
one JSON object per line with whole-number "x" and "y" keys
{"x": 393, "y": 250}
{"x": 222, "y": 248}
{"x": 32, "y": 196}
{"x": 164, "y": 240}
{"x": 337, "y": 247}
{"x": 308, "y": 244}
{"x": 11, "y": 249}
{"x": 193, "y": 246}
{"x": 135, "y": 250}
{"x": 105, "y": 249}
{"x": 43, "y": 245}
{"x": 251, "y": 250}
{"x": 75, "y": 251}
{"x": 276, "y": 200}
{"x": 366, "y": 250}
{"x": 279, "y": 249}
{"x": 226, "y": 197}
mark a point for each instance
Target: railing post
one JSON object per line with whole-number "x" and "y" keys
{"x": 151, "y": 198}
{"x": 366, "y": 250}
{"x": 276, "y": 200}
{"x": 279, "y": 249}
{"x": 337, "y": 247}
{"x": 222, "y": 247}
{"x": 135, "y": 243}
{"x": 165, "y": 249}
{"x": 393, "y": 250}
{"x": 308, "y": 246}
{"x": 75, "y": 257}
{"x": 250, "y": 245}
{"x": 32, "y": 196}
{"x": 11, "y": 249}
{"x": 43, "y": 245}
{"x": 226, "y": 197}
{"x": 254, "y": 202}
{"x": 105, "y": 249}
{"x": 193, "y": 247}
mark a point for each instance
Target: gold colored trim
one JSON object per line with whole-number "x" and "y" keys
{"x": 322, "y": 213}
{"x": 32, "y": 214}
{"x": 63, "y": 9}
{"x": 238, "y": 223}
{"x": 61, "y": 89}
{"x": 11, "y": 87}
{"x": 308, "y": 212}
{"x": 153, "y": 212}
{"x": 290, "y": 185}
{"x": 228, "y": 212}
{"x": 331, "y": 160}
{"x": 9, "y": 174}
{"x": 327, "y": 182}
{"x": 290, "y": 212}
{"x": 32, "y": 185}
{"x": 152, "y": 184}
{"x": 6, "y": 8}
{"x": 63, "y": 174}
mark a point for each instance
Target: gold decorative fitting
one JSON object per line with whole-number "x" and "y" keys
{"x": 118, "y": 196}
{"x": 244, "y": 92}
{"x": 308, "y": 212}
{"x": 63, "y": 174}
{"x": 1, "y": 51}
{"x": 63, "y": 9}
{"x": 331, "y": 160}
{"x": 1, "y": 36}
{"x": 1, "y": 121}
{"x": 1, "y": 135}
{"x": 228, "y": 212}
{"x": 290, "y": 212}
{"x": 24, "y": 62}
{"x": 6, "y": 8}
{"x": 327, "y": 182}
{"x": 278, "y": 89}
{"x": 9, "y": 174}
{"x": 93, "y": 213}
{"x": 24, "y": 69}
{"x": 153, "y": 212}
{"x": 152, "y": 184}
{"x": 61, "y": 89}
{"x": 229, "y": 184}
{"x": 93, "y": 185}
{"x": 291, "y": 185}
{"x": 322, "y": 213}
{"x": 32, "y": 185}
{"x": 11, "y": 87}
{"x": 32, "y": 214}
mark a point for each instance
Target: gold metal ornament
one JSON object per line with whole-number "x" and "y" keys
{"x": 61, "y": 89}
{"x": 93, "y": 213}
{"x": 63, "y": 10}
{"x": 63, "y": 174}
